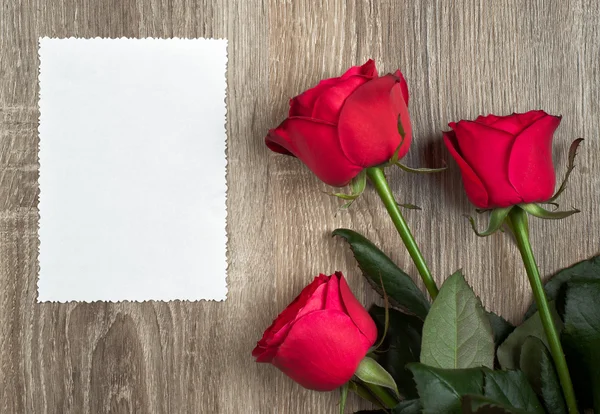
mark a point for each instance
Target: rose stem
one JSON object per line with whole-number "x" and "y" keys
{"x": 382, "y": 395}
{"x": 517, "y": 220}
{"x": 377, "y": 177}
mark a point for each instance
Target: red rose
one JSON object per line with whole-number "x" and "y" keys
{"x": 321, "y": 337}
{"x": 346, "y": 124}
{"x": 505, "y": 160}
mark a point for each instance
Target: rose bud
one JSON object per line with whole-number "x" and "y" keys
{"x": 321, "y": 337}
{"x": 344, "y": 125}
{"x": 505, "y": 160}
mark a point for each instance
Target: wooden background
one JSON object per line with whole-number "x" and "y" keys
{"x": 461, "y": 58}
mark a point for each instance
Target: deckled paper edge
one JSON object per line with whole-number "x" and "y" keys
{"x": 226, "y": 121}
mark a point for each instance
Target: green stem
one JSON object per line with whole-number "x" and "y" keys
{"x": 518, "y": 222}
{"x": 382, "y": 395}
{"x": 377, "y": 177}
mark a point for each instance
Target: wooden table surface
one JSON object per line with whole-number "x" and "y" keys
{"x": 461, "y": 59}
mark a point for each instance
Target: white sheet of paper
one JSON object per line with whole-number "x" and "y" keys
{"x": 132, "y": 169}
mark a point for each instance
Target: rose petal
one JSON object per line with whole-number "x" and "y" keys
{"x": 316, "y": 144}
{"x": 303, "y": 104}
{"x": 531, "y": 170}
{"x": 334, "y": 299}
{"x": 368, "y": 124}
{"x": 272, "y": 139}
{"x": 316, "y": 301}
{"x": 514, "y": 124}
{"x": 264, "y": 354}
{"x": 473, "y": 185}
{"x": 356, "y": 310}
{"x": 276, "y": 337}
{"x": 403, "y": 85}
{"x": 508, "y": 125}
{"x": 322, "y": 350}
{"x": 529, "y": 117}
{"x": 487, "y": 151}
{"x": 289, "y": 313}
{"x": 327, "y": 106}
{"x": 366, "y": 69}
{"x": 487, "y": 119}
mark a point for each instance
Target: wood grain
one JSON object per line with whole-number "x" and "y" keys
{"x": 461, "y": 58}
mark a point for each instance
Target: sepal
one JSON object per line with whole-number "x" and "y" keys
{"x": 395, "y": 158}
{"x": 363, "y": 392}
{"x": 386, "y": 322}
{"x": 570, "y": 167}
{"x": 357, "y": 187}
{"x": 409, "y": 206}
{"x": 370, "y": 372}
{"x": 343, "y": 396}
{"x": 402, "y": 133}
{"x": 540, "y": 212}
{"x": 419, "y": 170}
{"x": 497, "y": 218}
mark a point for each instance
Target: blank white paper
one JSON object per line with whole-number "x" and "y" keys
{"x": 132, "y": 169}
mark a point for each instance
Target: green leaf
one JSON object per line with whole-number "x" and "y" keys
{"x": 457, "y": 332}
{"x": 478, "y": 404}
{"x": 500, "y": 327}
{"x": 584, "y": 270}
{"x": 536, "y": 363}
{"x": 472, "y": 389}
{"x": 377, "y": 267}
{"x": 509, "y": 352}
{"x": 580, "y": 376}
{"x": 371, "y": 372}
{"x": 511, "y": 389}
{"x": 382, "y": 331}
{"x": 540, "y": 212}
{"x": 582, "y": 330}
{"x": 402, "y": 345}
{"x": 440, "y": 390}
{"x": 399, "y": 324}
{"x": 343, "y": 397}
{"x": 497, "y": 219}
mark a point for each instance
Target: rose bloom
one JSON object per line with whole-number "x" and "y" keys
{"x": 321, "y": 337}
{"x": 346, "y": 124}
{"x": 505, "y": 160}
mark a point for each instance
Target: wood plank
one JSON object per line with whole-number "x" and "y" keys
{"x": 460, "y": 58}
